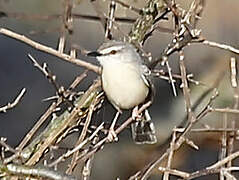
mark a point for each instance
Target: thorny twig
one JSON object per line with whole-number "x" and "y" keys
{"x": 49, "y": 50}
{"x": 185, "y": 33}
{"x": 44, "y": 69}
{"x": 83, "y": 135}
{"x": 49, "y": 111}
{"x": 77, "y": 148}
{"x": 98, "y": 145}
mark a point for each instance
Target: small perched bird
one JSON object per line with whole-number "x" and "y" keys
{"x": 126, "y": 85}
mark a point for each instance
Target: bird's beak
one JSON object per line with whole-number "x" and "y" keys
{"x": 94, "y": 54}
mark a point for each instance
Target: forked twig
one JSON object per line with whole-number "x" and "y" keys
{"x": 49, "y": 50}
{"x": 14, "y": 103}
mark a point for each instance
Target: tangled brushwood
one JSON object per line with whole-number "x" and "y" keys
{"x": 43, "y": 153}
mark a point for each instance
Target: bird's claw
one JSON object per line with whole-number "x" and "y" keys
{"x": 112, "y": 136}
{"x": 135, "y": 114}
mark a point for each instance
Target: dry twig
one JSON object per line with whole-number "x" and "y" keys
{"x": 14, "y": 103}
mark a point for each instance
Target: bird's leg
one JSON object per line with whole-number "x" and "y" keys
{"x": 135, "y": 113}
{"x": 112, "y": 136}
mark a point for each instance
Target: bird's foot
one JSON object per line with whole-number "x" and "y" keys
{"x": 135, "y": 113}
{"x": 112, "y": 136}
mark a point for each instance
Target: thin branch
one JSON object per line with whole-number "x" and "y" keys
{"x": 77, "y": 148}
{"x": 34, "y": 172}
{"x": 138, "y": 11}
{"x": 165, "y": 75}
{"x": 51, "y": 77}
{"x": 86, "y": 171}
{"x": 233, "y": 65}
{"x": 98, "y": 145}
{"x": 59, "y": 125}
{"x": 76, "y": 16}
{"x": 6, "y": 146}
{"x": 223, "y": 151}
{"x": 49, "y": 50}
{"x": 174, "y": 172}
{"x": 38, "y": 124}
{"x": 224, "y": 110}
{"x": 14, "y": 103}
{"x": 224, "y": 161}
{"x": 209, "y": 130}
{"x": 204, "y": 172}
{"x": 109, "y": 25}
{"x": 49, "y": 111}
{"x": 145, "y": 22}
{"x": 184, "y": 85}
{"x": 144, "y": 173}
{"x": 171, "y": 80}
{"x": 83, "y": 134}
{"x": 170, "y": 156}
{"x": 221, "y": 46}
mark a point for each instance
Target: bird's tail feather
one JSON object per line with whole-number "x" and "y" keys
{"x": 143, "y": 130}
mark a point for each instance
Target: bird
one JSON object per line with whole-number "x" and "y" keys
{"x": 126, "y": 83}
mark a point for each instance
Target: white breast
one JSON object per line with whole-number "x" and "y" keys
{"x": 123, "y": 84}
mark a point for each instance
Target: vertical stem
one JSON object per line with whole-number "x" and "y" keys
{"x": 109, "y": 25}
{"x": 223, "y": 152}
{"x": 170, "y": 156}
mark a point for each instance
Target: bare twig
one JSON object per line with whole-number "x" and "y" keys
{"x": 185, "y": 32}
{"x": 49, "y": 50}
{"x": 24, "y": 171}
{"x": 223, "y": 152}
{"x": 165, "y": 75}
{"x": 224, "y": 110}
{"x": 51, "y": 77}
{"x": 144, "y": 173}
{"x": 77, "y": 148}
{"x": 174, "y": 172}
{"x": 83, "y": 134}
{"x": 221, "y": 46}
{"x": 109, "y": 25}
{"x": 59, "y": 125}
{"x": 209, "y": 130}
{"x": 145, "y": 22}
{"x": 67, "y": 25}
{"x": 184, "y": 85}
{"x": 171, "y": 80}
{"x": 48, "y": 113}
{"x": 138, "y": 11}
{"x": 170, "y": 156}
{"x": 6, "y": 146}
{"x": 76, "y": 16}
{"x": 233, "y": 72}
{"x": 234, "y": 84}
{"x": 224, "y": 161}
{"x": 215, "y": 168}
{"x": 38, "y": 124}
{"x": 14, "y": 103}
{"x": 86, "y": 172}
{"x": 117, "y": 131}
{"x": 204, "y": 172}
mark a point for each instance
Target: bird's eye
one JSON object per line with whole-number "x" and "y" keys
{"x": 113, "y": 52}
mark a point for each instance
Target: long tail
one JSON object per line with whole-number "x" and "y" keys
{"x": 143, "y": 130}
